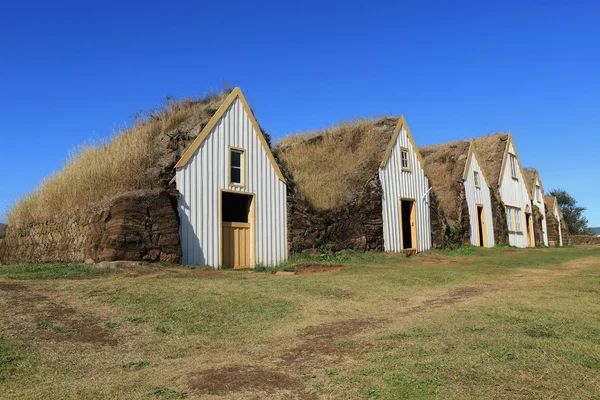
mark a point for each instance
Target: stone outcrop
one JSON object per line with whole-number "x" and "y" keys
{"x": 140, "y": 226}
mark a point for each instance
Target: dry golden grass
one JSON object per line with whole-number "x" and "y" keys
{"x": 444, "y": 165}
{"x": 490, "y": 152}
{"x": 129, "y": 161}
{"x": 331, "y": 166}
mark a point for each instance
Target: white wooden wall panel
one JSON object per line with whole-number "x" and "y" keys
{"x": 513, "y": 192}
{"x": 481, "y": 196}
{"x": 557, "y": 216}
{"x": 540, "y": 203}
{"x": 397, "y": 184}
{"x": 206, "y": 173}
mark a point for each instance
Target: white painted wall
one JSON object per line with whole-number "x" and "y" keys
{"x": 476, "y": 196}
{"x": 513, "y": 192}
{"x": 398, "y": 184}
{"x": 201, "y": 180}
{"x": 556, "y": 213}
{"x": 540, "y": 203}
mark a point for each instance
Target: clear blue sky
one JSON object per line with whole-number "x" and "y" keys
{"x": 74, "y": 71}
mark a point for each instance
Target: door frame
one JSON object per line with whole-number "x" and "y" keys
{"x": 481, "y": 222}
{"x": 529, "y": 228}
{"x": 413, "y": 220}
{"x": 251, "y": 221}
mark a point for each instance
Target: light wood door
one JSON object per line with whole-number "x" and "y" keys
{"x": 530, "y": 242}
{"x": 481, "y": 226}
{"x": 236, "y": 245}
{"x": 408, "y": 226}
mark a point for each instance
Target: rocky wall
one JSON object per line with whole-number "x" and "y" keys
{"x": 500, "y": 224}
{"x": 582, "y": 239}
{"x": 133, "y": 227}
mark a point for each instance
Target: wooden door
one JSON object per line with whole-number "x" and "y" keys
{"x": 408, "y": 226}
{"x": 481, "y": 226}
{"x": 529, "y": 227}
{"x": 413, "y": 225}
{"x": 236, "y": 245}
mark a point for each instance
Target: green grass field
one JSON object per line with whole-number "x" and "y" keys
{"x": 471, "y": 323}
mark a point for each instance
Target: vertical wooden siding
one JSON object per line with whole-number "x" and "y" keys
{"x": 481, "y": 196}
{"x": 201, "y": 180}
{"x": 540, "y": 203}
{"x": 557, "y": 216}
{"x": 398, "y": 184}
{"x": 513, "y": 192}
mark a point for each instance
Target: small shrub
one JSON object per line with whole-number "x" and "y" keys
{"x": 111, "y": 325}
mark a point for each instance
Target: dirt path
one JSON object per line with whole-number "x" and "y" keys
{"x": 326, "y": 345}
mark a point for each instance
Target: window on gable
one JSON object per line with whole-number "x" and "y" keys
{"x": 236, "y": 167}
{"x": 513, "y": 166}
{"x": 537, "y": 193}
{"x": 476, "y": 179}
{"x": 404, "y": 158}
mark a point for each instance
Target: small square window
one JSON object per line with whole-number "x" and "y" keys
{"x": 476, "y": 179}
{"x": 236, "y": 161}
{"x": 405, "y": 159}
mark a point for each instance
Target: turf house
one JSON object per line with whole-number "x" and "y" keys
{"x": 511, "y": 199}
{"x": 536, "y": 191}
{"x": 462, "y": 191}
{"x": 232, "y": 193}
{"x": 557, "y": 230}
{"x": 224, "y": 204}
{"x": 358, "y": 185}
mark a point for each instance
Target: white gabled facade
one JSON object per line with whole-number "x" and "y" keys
{"x": 399, "y": 184}
{"x": 203, "y": 176}
{"x": 478, "y": 196}
{"x": 514, "y": 194}
{"x": 558, "y": 216}
{"x": 537, "y": 192}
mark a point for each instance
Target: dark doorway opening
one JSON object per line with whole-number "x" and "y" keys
{"x": 235, "y": 207}
{"x": 406, "y": 209}
{"x": 480, "y": 225}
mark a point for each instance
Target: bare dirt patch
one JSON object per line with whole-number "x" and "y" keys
{"x": 454, "y": 296}
{"x": 308, "y": 269}
{"x": 333, "y": 339}
{"x": 247, "y": 378}
{"x": 47, "y": 319}
{"x": 11, "y": 287}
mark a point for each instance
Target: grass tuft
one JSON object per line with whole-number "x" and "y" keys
{"x": 137, "y": 365}
{"x": 166, "y": 393}
{"x": 54, "y": 326}
{"x": 541, "y": 331}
